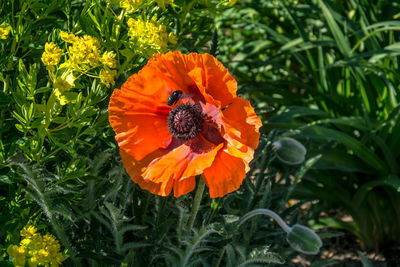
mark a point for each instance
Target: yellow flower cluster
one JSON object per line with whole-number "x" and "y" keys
{"x": 83, "y": 56}
{"x": 134, "y": 5}
{"x": 107, "y": 76}
{"x": 150, "y": 36}
{"x": 130, "y": 5}
{"x": 4, "y": 30}
{"x": 62, "y": 84}
{"x": 36, "y": 249}
{"x": 51, "y": 56}
{"x": 84, "y": 52}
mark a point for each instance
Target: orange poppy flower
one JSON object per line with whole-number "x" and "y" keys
{"x": 166, "y": 138}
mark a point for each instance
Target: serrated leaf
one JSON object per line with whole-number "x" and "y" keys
{"x": 266, "y": 259}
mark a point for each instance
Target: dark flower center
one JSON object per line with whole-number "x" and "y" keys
{"x": 186, "y": 121}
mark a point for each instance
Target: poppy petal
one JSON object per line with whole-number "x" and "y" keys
{"x": 173, "y": 67}
{"x": 182, "y": 187}
{"x": 138, "y": 113}
{"x": 217, "y": 82}
{"x": 225, "y": 174}
{"x": 146, "y": 85}
{"x": 242, "y": 123}
{"x": 140, "y": 128}
{"x": 187, "y": 160}
{"x": 133, "y": 168}
{"x": 198, "y": 74}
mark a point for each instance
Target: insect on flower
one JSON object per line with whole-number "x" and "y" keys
{"x": 167, "y": 138}
{"x": 175, "y": 96}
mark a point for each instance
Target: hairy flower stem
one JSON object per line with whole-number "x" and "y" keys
{"x": 196, "y": 203}
{"x": 269, "y": 213}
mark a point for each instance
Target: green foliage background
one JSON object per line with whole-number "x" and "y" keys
{"x": 330, "y": 71}
{"x": 324, "y": 72}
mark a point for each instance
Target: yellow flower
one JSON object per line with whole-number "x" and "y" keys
{"x": 56, "y": 259}
{"x": 107, "y": 76}
{"x": 51, "y": 243}
{"x": 83, "y": 56}
{"x": 108, "y": 59}
{"x": 69, "y": 65}
{"x": 18, "y": 253}
{"x": 84, "y": 53}
{"x": 68, "y": 37}
{"x": 130, "y": 5}
{"x": 161, "y": 3}
{"x": 62, "y": 84}
{"x": 91, "y": 41}
{"x": 43, "y": 256}
{"x": 49, "y": 240}
{"x": 172, "y": 38}
{"x": 65, "y": 82}
{"x": 149, "y": 35}
{"x": 50, "y": 251}
{"x": 4, "y": 30}
{"x": 28, "y": 231}
{"x": 34, "y": 248}
{"x": 33, "y": 242}
{"x": 51, "y": 56}
{"x": 26, "y": 242}
{"x": 33, "y": 261}
{"x": 32, "y": 239}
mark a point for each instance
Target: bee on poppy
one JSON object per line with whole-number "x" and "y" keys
{"x": 175, "y": 96}
{"x": 165, "y": 142}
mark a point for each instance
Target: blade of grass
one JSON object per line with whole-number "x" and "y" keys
{"x": 340, "y": 38}
{"x": 361, "y": 150}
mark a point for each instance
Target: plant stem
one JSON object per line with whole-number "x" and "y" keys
{"x": 196, "y": 203}
{"x": 269, "y": 213}
{"x": 266, "y": 158}
{"x": 126, "y": 62}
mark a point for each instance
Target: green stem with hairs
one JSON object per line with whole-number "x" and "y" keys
{"x": 196, "y": 203}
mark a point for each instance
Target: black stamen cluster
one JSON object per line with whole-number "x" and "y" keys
{"x": 186, "y": 121}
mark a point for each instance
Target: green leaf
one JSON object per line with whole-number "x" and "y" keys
{"x": 264, "y": 254}
{"x": 286, "y": 114}
{"x": 364, "y": 260}
{"x": 361, "y": 150}
{"x": 389, "y": 157}
{"x": 134, "y": 245}
{"x": 5, "y": 179}
{"x": 6, "y": 264}
{"x": 20, "y": 127}
{"x": 42, "y": 90}
{"x": 330, "y": 234}
{"x": 336, "y": 223}
{"x": 390, "y": 180}
{"x": 356, "y": 122}
{"x": 340, "y": 38}
{"x": 337, "y": 159}
{"x": 267, "y": 259}
{"x": 5, "y": 100}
